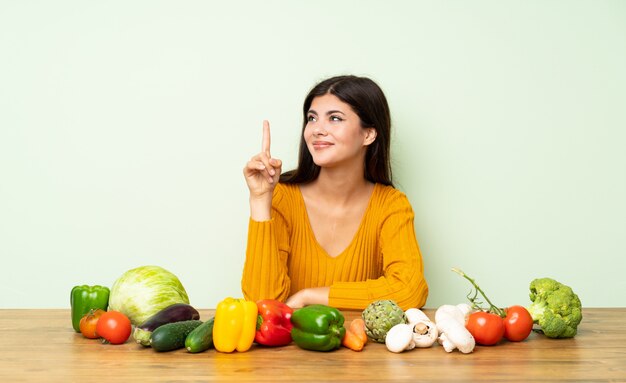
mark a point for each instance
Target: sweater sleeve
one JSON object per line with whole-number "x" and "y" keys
{"x": 403, "y": 271}
{"x": 265, "y": 268}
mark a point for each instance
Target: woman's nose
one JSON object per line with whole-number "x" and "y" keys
{"x": 319, "y": 130}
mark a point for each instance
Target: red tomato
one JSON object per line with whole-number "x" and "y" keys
{"x": 486, "y": 328}
{"x": 88, "y": 323}
{"x": 114, "y": 326}
{"x": 518, "y": 324}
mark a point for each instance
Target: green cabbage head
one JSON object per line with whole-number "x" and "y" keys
{"x": 142, "y": 292}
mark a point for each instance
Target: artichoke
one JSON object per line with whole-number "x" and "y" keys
{"x": 380, "y": 317}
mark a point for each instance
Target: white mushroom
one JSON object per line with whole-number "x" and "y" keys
{"x": 424, "y": 333}
{"x": 400, "y": 338}
{"x": 453, "y": 334}
{"x": 424, "y": 330}
{"x": 415, "y": 315}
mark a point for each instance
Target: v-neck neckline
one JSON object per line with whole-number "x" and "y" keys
{"x": 356, "y": 233}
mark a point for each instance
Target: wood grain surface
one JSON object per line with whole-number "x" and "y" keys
{"x": 41, "y": 346}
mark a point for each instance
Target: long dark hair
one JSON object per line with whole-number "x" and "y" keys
{"x": 369, "y": 103}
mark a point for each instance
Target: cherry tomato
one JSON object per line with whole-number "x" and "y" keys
{"x": 88, "y": 323}
{"x": 114, "y": 326}
{"x": 486, "y": 328}
{"x": 518, "y": 324}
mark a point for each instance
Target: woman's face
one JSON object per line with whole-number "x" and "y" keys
{"x": 333, "y": 133}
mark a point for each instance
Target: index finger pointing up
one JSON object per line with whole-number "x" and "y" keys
{"x": 265, "y": 146}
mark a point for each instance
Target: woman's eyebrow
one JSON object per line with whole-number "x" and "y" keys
{"x": 334, "y": 111}
{"x": 327, "y": 113}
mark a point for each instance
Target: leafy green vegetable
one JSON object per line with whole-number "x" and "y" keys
{"x": 556, "y": 308}
{"x": 142, "y": 292}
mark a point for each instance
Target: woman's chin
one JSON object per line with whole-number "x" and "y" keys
{"x": 322, "y": 162}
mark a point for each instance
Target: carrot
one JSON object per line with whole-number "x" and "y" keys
{"x": 355, "y": 337}
{"x": 352, "y": 341}
{"x": 357, "y": 326}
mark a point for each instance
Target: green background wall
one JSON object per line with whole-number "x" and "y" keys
{"x": 125, "y": 125}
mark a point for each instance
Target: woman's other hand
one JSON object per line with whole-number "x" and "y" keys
{"x": 262, "y": 173}
{"x": 310, "y": 296}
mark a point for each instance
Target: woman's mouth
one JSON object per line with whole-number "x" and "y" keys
{"x": 317, "y": 145}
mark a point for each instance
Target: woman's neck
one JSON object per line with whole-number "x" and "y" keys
{"x": 339, "y": 186}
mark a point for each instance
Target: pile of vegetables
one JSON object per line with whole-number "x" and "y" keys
{"x": 555, "y": 308}
{"x": 154, "y": 302}
{"x": 135, "y": 296}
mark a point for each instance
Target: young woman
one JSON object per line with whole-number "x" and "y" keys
{"x": 333, "y": 231}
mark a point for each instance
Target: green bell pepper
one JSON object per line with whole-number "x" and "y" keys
{"x": 317, "y": 328}
{"x": 84, "y": 298}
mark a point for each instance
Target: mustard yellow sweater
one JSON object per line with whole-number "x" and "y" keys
{"x": 383, "y": 260}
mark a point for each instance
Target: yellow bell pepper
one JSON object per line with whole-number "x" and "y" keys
{"x": 235, "y": 325}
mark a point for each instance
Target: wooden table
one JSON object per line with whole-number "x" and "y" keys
{"x": 41, "y": 346}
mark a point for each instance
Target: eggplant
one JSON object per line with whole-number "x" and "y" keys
{"x": 175, "y": 313}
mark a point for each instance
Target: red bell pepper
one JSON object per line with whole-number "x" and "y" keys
{"x": 273, "y": 323}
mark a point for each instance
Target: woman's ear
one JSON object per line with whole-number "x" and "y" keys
{"x": 370, "y": 136}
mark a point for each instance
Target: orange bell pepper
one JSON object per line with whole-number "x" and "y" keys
{"x": 235, "y": 325}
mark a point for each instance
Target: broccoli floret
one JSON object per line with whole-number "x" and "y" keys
{"x": 556, "y": 308}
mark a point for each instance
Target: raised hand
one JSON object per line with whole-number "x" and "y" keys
{"x": 262, "y": 171}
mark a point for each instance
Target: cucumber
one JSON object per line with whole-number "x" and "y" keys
{"x": 172, "y": 336}
{"x": 201, "y": 338}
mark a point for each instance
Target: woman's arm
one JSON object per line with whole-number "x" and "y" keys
{"x": 265, "y": 268}
{"x": 265, "y": 273}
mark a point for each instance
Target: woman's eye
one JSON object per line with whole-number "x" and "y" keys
{"x": 335, "y": 118}
{"x": 310, "y": 118}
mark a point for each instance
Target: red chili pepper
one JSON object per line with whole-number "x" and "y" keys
{"x": 273, "y": 323}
